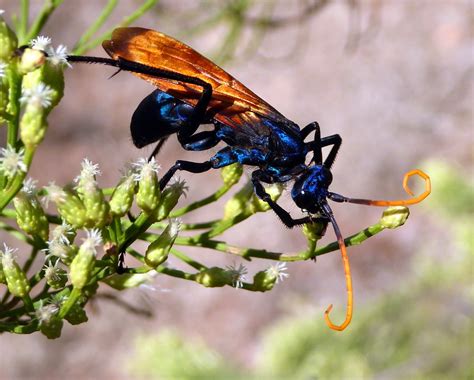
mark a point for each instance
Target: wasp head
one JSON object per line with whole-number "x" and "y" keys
{"x": 311, "y": 188}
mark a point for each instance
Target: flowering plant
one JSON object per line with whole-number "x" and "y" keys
{"x": 82, "y": 243}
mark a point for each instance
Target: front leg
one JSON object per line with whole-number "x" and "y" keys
{"x": 284, "y": 215}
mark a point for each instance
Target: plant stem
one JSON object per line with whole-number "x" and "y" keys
{"x": 49, "y": 7}
{"x": 24, "y": 15}
{"x": 106, "y": 12}
{"x": 203, "y": 202}
{"x": 125, "y": 22}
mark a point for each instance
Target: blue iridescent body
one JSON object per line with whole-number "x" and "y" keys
{"x": 276, "y": 147}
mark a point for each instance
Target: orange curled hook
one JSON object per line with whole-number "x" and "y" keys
{"x": 402, "y": 202}
{"x": 347, "y": 272}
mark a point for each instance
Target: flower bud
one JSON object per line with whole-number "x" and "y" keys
{"x": 55, "y": 276}
{"x": 52, "y": 77}
{"x": 148, "y": 195}
{"x": 64, "y": 251}
{"x": 214, "y": 277}
{"x": 30, "y": 215}
{"x": 274, "y": 191}
{"x": 263, "y": 281}
{"x": 239, "y": 203}
{"x": 157, "y": 251}
{"x": 33, "y": 126}
{"x": 314, "y": 231}
{"x": 231, "y": 174}
{"x": 49, "y": 321}
{"x": 76, "y": 315}
{"x": 122, "y": 197}
{"x": 170, "y": 198}
{"x": 31, "y": 59}
{"x": 129, "y": 280}
{"x": 266, "y": 280}
{"x": 97, "y": 209}
{"x": 8, "y": 40}
{"x": 69, "y": 205}
{"x": 394, "y": 216}
{"x": 17, "y": 283}
{"x": 83, "y": 263}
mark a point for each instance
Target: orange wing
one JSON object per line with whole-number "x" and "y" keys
{"x": 230, "y": 99}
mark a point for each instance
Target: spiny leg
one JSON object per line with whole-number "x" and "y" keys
{"x": 284, "y": 215}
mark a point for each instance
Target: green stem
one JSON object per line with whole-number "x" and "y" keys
{"x": 176, "y": 273}
{"x": 106, "y": 12}
{"x": 28, "y": 303}
{"x": 186, "y": 226}
{"x": 72, "y": 299}
{"x": 187, "y": 259}
{"x": 125, "y": 22}
{"x": 22, "y": 329}
{"x": 141, "y": 224}
{"x": 222, "y": 226}
{"x": 14, "y": 95}
{"x": 24, "y": 15}
{"x": 248, "y": 253}
{"x": 203, "y": 202}
{"x": 49, "y": 7}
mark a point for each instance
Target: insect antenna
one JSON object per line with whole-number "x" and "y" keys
{"x": 402, "y": 202}
{"x": 347, "y": 271}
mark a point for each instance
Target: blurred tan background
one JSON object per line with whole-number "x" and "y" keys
{"x": 393, "y": 78}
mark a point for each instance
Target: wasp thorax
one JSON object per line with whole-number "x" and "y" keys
{"x": 311, "y": 188}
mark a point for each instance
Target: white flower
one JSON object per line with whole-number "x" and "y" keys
{"x": 40, "y": 43}
{"x": 2, "y": 12}
{"x": 57, "y": 249}
{"x": 45, "y": 313}
{"x": 29, "y": 187}
{"x": 54, "y": 194}
{"x": 238, "y": 274}
{"x": 11, "y": 161}
{"x": 3, "y": 71}
{"x": 52, "y": 272}
{"x": 59, "y": 56}
{"x": 89, "y": 170}
{"x": 60, "y": 233}
{"x": 40, "y": 96}
{"x": 92, "y": 240}
{"x": 145, "y": 167}
{"x": 278, "y": 271}
{"x": 8, "y": 256}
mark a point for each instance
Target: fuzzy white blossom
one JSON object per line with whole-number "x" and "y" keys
{"x": 40, "y": 43}
{"x": 238, "y": 274}
{"x": 58, "y": 56}
{"x": 144, "y": 167}
{"x": 39, "y": 96}
{"x": 278, "y": 271}
{"x": 12, "y": 161}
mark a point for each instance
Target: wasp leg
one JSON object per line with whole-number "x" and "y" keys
{"x": 314, "y": 126}
{"x": 201, "y": 141}
{"x": 284, "y": 215}
{"x": 192, "y": 167}
{"x": 317, "y": 145}
{"x": 335, "y": 141}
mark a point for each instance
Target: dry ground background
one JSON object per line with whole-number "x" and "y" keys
{"x": 396, "y": 83}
